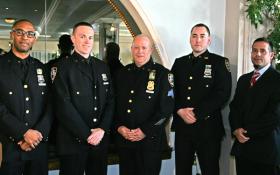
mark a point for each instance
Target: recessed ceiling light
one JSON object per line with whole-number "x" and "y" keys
{"x": 10, "y": 20}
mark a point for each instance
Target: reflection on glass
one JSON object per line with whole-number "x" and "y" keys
{"x": 54, "y": 18}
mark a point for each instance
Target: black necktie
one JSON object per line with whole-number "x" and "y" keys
{"x": 24, "y": 68}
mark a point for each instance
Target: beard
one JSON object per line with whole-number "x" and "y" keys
{"x": 22, "y": 49}
{"x": 258, "y": 67}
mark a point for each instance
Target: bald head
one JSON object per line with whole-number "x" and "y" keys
{"x": 141, "y": 49}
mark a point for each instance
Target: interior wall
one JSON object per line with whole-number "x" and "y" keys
{"x": 173, "y": 21}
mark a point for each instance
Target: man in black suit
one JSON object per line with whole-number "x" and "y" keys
{"x": 25, "y": 109}
{"x": 255, "y": 115}
{"x": 84, "y": 102}
{"x": 144, "y": 103}
{"x": 202, "y": 87}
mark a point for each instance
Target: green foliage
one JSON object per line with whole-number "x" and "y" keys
{"x": 260, "y": 10}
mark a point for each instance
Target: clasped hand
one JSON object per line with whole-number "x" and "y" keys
{"x": 31, "y": 139}
{"x": 132, "y": 135}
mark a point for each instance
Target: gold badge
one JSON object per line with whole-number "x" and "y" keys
{"x": 39, "y": 71}
{"x": 151, "y": 85}
{"x": 227, "y": 64}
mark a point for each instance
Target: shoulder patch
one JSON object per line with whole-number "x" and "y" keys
{"x": 227, "y": 64}
{"x": 53, "y": 73}
{"x": 171, "y": 79}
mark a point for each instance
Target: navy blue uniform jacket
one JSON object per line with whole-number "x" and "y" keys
{"x": 23, "y": 105}
{"x": 84, "y": 100}
{"x": 144, "y": 99}
{"x": 203, "y": 83}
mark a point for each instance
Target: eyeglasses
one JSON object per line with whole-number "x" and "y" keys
{"x": 29, "y": 34}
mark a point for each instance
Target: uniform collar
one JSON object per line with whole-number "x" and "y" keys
{"x": 146, "y": 66}
{"x": 16, "y": 59}
{"x": 82, "y": 59}
{"x": 203, "y": 55}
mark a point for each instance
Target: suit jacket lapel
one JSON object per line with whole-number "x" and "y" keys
{"x": 264, "y": 77}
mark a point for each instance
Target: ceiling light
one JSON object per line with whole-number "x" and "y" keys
{"x": 10, "y": 20}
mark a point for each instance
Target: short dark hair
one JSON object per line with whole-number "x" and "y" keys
{"x": 201, "y": 25}
{"x": 23, "y": 20}
{"x": 81, "y": 24}
{"x": 65, "y": 43}
{"x": 263, "y": 39}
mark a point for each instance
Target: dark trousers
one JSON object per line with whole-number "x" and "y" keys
{"x": 208, "y": 153}
{"x": 91, "y": 162}
{"x": 30, "y": 167}
{"x": 245, "y": 167}
{"x": 139, "y": 162}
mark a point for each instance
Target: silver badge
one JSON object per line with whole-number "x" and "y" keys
{"x": 171, "y": 79}
{"x": 104, "y": 77}
{"x": 208, "y": 71}
{"x": 152, "y": 75}
{"x": 41, "y": 80}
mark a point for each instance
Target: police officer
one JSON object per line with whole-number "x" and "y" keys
{"x": 202, "y": 87}
{"x": 144, "y": 103}
{"x": 85, "y": 105}
{"x": 25, "y": 112}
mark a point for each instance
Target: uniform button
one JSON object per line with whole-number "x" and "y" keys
{"x": 27, "y": 111}
{"x": 43, "y": 93}
{"x": 94, "y": 120}
{"x": 207, "y": 85}
{"x": 149, "y": 97}
{"x": 27, "y": 99}
{"x": 95, "y": 87}
{"x": 95, "y": 97}
{"x": 130, "y": 101}
{"x": 26, "y": 124}
{"x": 78, "y": 92}
{"x": 207, "y": 117}
{"x": 189, "y": 88}
{"x": 128, "y": 111}
{"x": 11, "y": 93}
{"x": 95, "y": 108}
{"x": 188, "y": 98}
{"x": 132, "y": 91}
{"x": 191, "y": 78}
{"x": 25, "y": 86}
